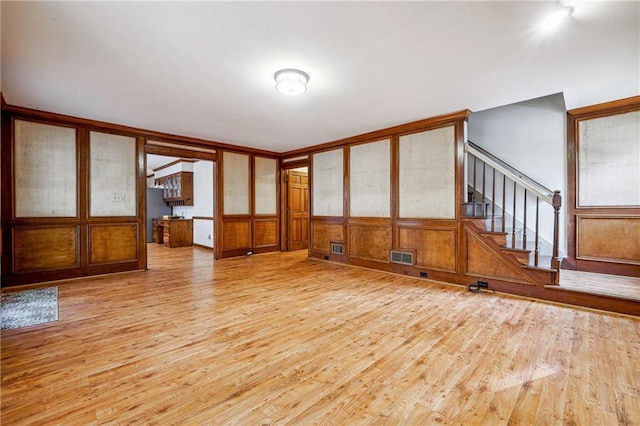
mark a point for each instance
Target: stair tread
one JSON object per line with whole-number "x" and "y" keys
{"x": 539, "y": 268}
{"x": 519, "y": 250}
{"x": 493, "y": 233}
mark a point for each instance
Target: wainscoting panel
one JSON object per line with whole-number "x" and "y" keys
{"x": 609, "y": 239}
{"x": 435, "y": 248}
{"x": 265, "y": 232}
{"x": 370, "y": 242}
{"x": 45, "y": 248}
{"x": 322, "y": 234}
{"x": 236, "y": 234}
{"x": 113, "y": 243}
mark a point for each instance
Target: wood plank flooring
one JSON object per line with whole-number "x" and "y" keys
{"x": 605, "y": 284}
{"x": 279, "y": 339}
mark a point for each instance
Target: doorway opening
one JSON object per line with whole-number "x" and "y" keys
{"x": 297, "y": 209}
{"x": 180, "y": 203}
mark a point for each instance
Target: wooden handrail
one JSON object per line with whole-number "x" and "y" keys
{"x": 528, "y": 185}
{"x": 514, "y": 174}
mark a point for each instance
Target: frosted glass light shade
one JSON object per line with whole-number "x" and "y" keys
{"x": 555, "y": 18}
{"x": 291, "y": 81}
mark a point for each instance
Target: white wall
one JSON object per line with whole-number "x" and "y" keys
{"x": 203, "y": 196}
{"x": 532, "y": 137}
{"x": 529, "y": 135}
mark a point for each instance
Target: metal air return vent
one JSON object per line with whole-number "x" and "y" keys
{"x": 337, "y": 248}
{"x": 402, "y": 257}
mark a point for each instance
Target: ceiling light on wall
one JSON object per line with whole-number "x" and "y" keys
{"x": 291, "y": 81}
{"x": 556, "y": 17}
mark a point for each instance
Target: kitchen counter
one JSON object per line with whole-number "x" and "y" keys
{"x": 173, "y": 232}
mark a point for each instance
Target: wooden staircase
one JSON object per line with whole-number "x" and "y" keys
{"x": 502, "y": 203}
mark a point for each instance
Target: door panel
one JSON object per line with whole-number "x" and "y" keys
{"x": 298, "y": 210}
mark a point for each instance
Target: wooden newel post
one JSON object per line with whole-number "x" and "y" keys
{"x": 555, "y": 260}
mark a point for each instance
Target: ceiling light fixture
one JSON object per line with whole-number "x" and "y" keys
{"x": 290, "y": 81}
{"x": 556, "y": 17}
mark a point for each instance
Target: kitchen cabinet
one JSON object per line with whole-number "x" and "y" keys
{"x": 177, "y": 188}
{"x": 173, "y": 232}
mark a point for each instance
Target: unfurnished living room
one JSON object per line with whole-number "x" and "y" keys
{"x": 320, "y": 213}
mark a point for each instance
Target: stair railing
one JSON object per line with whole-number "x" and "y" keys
{"x": 528, "y": 185}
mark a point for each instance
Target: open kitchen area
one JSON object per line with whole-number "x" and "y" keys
{"x": 180, "y": 197}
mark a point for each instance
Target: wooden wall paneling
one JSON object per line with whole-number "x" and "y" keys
{"x": 369, "y": 240}
{"x": 141, "y": 184}
{"x": 44, "y": 248}
{"x": 608, "y": 238}
{"x": 83, "y": 195}
{"x": 323, "y": 233}
{"x": 236, "y": 233}
{"x": 265, "y": 232}
{"x": 6, "y": 191}
{"x": 346, "y": 190}
{"x": 111, "y": 243}
{"x": 461, "y": 191}
{"x": 590, "y": 252}
{"x": 218, "y": 223}
{"x": 436, "y": 247}
{"x": 395, "y": 170}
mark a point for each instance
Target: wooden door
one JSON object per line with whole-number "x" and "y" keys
{"x": 297, "y": 210}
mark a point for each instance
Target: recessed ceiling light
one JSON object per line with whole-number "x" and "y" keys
{"x": 290, "y": 81}
{"x": 556, "y": 17}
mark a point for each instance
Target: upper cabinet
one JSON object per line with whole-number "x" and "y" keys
{"x": 178, "y": 188}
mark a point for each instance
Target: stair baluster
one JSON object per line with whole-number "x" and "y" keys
{"x": 513, "y": 223}
{"x": 504, "y": 192}
{"x": 524, "y": 185}
{"x": 536, "y": 253}
{"x": 493, "y": 201}
{"x": 524, "y": 222}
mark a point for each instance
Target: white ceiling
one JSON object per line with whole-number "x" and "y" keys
{"x": 205, "y": 69}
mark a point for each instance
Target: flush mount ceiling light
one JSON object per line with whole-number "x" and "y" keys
{"x": 290, "y": 81}
{"x": 556, "y": 17}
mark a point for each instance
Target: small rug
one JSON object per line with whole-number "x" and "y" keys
{"x": 29, "y": 307}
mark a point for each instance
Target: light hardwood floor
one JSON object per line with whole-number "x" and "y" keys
{"x": 608, "y": 285}
{"x": 278, "y": 339}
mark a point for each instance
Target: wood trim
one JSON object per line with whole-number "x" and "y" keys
{"x": 606, "y": 108}
{"x": 135, "y": 131}
{"x": 395, "y": 189}
{"x": 202, "y": 218}
{"x": 179, "y": 152}
{"x": 432, "y": 122}
{"x": 142, "y": 203}
{"x": 178, "y": 161}
{"x": 294, "y": 159}
{"x": 294, "y": 164}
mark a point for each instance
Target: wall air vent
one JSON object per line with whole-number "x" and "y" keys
{"x": 337, "y": 248}
{"x": 402, "y": 257}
